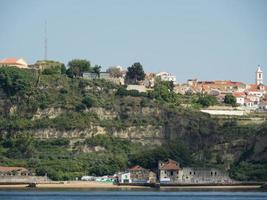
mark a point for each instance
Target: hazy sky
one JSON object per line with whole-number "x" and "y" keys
{"x": 204, "y": 39}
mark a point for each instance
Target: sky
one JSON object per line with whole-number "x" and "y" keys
{"x": 203, "y": 39}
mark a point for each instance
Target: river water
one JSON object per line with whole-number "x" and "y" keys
{"x": 129, "y": 195}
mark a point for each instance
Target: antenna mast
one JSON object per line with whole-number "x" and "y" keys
{"x": 45, "y": 41}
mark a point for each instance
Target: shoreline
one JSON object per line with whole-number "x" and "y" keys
{"x": 100, "y": 185}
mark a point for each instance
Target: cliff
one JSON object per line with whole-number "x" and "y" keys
{"x": 55, "y": 107}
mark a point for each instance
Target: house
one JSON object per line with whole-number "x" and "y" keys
{"x": 240, "y": 97}
{"x": 137, "y": 174}
{"x": 124, "y": 177}
{"x": 141, "y": 175}
{"x": 16, "y": 62}
{"x": 13, "y": 171}
{"x": 168, "y": 171}
{"x": 165, "y": 76}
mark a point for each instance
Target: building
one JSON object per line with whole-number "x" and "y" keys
{"x": 16, "y": 62}
{"x": 192, "y": 175}
{"x": 259, "y": 76}
{"x": 124, "y": 177}
{"x": 149, "y": 80}
{"x": 137, "y": 174}
{"x": 240, "y": 98}
{"x": 47, "y": 64}
{"x": 165, "y": 76}
{"x": 13, "y": 171}
{"x": 169, "y": 171}
{"x": 103, "y": 75}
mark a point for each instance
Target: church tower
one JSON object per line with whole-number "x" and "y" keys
{"x": 259, "y": 76}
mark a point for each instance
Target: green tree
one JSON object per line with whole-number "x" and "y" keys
{"x": 63, "y": 69}
{"x": 14, "y": 80}
{"x": 21, "y": 146}
{"x": 230, "y": 99}
{"x": 76, "y": 67}
{"x": 97, "y": 69}
{"x": 135, "y": 73}
{"x": 207, "y": 100}
{"x": 163, "y": 90}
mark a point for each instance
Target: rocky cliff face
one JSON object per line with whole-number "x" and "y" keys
{"x": 200, "y": 133}
{"x": 143, "y": 135}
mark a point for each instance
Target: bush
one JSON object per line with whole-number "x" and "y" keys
{"x": 88, "y": 101}
{"x": 80, "y": 107}
{"x": 134, "y": 93}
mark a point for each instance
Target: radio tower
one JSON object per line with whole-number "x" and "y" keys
{"x": 45, "y": 42}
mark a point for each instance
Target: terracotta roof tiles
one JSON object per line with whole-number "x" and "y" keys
{"x": 9, "y": 169}
{"x": 170, "y": 165}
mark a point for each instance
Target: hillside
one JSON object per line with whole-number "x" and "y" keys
{"x": 68, "y": 127}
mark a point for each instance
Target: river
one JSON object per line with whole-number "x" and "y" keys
{"x": 129, "y": 195}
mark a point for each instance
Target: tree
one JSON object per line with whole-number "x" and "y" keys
{"x": 14, "y": 80}
{"x": 96, "y": 69}
{"x": 77, "y": 67}
{"x": 163, "y": 90}
{"x": 114, "y": 72}
{"x": 135, "y": 73}
{"x": 230, "y": 99}
{"x": 207, "y": 100}
{"x": 63, "y": 69}
{"x": 22, "y": 146}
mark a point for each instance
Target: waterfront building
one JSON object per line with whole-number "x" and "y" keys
{"x": 191, "y": 175}
{"x": 13, "y": 171}
{"x": 168, "y": 171}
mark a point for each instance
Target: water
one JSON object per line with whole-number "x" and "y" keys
{"x": 129, "y": 195}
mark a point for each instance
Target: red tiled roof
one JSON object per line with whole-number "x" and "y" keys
{"x": 10, "y": 169}
{"x": 239, "y": 94}
{"x": 136, "y": 168}
{"x": 170, "y": 165}
{"x": 10, "y": 61}
{"x": 253, "y": 87}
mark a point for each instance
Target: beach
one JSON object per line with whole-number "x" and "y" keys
{"x": 102, "y": 185}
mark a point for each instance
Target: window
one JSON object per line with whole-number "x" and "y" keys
{"x": 215, "y": 173}
{"x": 190, "y": 173}
{"x": 211, "y": 173}
{"x": 171, "y": 173}
{"x": 259, "y": 75}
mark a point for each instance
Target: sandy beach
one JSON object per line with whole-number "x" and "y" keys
{"x": 101, "y": 185}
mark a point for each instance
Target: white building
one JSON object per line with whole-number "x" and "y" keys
{"x": 124, "y": 177}
{"x": 165, "y": 76}
{"x": 240, "y": 97}
{"x": 16, "y": 62}
{"x": 259, "y": 76}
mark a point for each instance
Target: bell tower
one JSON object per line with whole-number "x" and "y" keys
{"x": 259, "y": 76}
